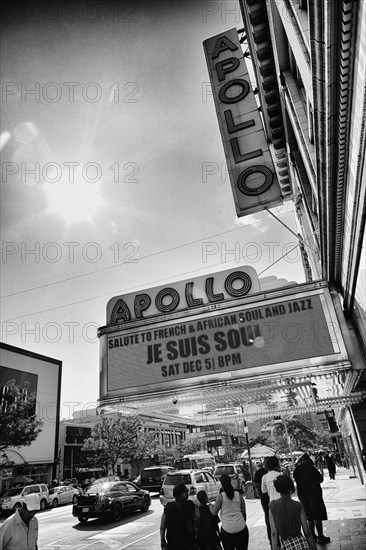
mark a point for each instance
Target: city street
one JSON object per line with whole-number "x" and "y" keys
{"x": 59, "y": 530}
{"x": 344, "y": 497}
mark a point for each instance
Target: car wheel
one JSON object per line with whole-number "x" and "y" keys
{"x": 117, "y": 512}
{"x": 74, "y": 499}
{"x": 82, "y": 519}
{"x": 17, "y": 506}
{"x": 145, "y": 504}
{"x": 43, "y": 504}
{"x": 55, "y": 503}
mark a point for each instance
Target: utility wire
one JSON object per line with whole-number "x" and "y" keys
{"x": 122, "y": 263}
{"x": 117, "y": 292}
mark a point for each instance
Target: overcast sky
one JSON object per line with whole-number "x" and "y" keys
{"x": 113, "y": 171}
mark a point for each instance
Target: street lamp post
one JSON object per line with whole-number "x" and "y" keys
{"x": 288, "y": 443}
{"x": 248, "y": 449}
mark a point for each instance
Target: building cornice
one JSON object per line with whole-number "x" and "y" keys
{"x": 255, "y": 17}
{"x": 345, "y": 90}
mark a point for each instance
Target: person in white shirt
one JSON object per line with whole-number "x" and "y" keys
{"x": 274, "y": 470}
{"x": 231, "y": 505}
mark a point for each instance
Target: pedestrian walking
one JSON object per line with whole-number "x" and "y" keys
{"x": 309, "y": 491}
{"x": 287, "y": 517}
{"x": 177, "y": 526}
{"x": 363, "y": 457}
{"x": 231, "y": 506}
{"x": 207, "y": 525}
{"x": 319, "y": 462}
{"x": 20, "y": 530}
{"x": 264, "y": 497}
{"x": 285, "y": 467}
{"x": 273, "y": 466}
{"x": 330, "y": 462}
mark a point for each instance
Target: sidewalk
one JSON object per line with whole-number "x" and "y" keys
{"x": 345, "y": 499}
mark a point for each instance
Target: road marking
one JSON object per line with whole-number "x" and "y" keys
{"x": 138, "y": 540}
{"x": 123, "y": 530}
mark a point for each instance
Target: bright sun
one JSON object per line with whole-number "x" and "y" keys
{"x": 75, "y": 202}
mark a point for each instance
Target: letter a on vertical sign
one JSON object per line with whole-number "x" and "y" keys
{"x": 252, "y": 175}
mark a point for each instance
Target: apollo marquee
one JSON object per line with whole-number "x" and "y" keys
{"x": 212, "y": 328}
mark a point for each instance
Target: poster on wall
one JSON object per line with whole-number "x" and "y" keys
{"x": 21, "y": 378}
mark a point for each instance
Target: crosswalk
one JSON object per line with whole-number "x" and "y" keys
{"x": 109, "y": 539}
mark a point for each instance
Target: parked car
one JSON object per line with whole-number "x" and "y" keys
{"x": 110, "y": 499}
{"x": 14, "y": 498}
{"x": 153, "y": 476}
{"x": 235, "y": 473}
{"x": 195, "y": 480}
{"x": 65, "y": 494}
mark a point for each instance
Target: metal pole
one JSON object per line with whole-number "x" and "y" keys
{"x": 288, "y": 443}
{"x": 248, "y": 448}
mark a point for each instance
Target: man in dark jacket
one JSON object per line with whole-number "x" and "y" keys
{"x": 309, "y": 491}
{"x": 264, "y": 497}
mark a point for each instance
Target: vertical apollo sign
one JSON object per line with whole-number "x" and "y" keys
{"x": 253, "y": 179}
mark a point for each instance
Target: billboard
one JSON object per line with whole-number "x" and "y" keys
{"x": 253, "y": 178}
{"x": 268, "y": 336}
{"x": 44, "y": 377}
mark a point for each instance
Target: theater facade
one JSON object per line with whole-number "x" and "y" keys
{"x": 231, "y": 341}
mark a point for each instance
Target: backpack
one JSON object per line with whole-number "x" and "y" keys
{"x": 207, "y": 524}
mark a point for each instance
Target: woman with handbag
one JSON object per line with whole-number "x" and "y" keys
{"x": 231, "y": 505}
{"x": 177, "y": 526}
{"x": 286, "y": 517}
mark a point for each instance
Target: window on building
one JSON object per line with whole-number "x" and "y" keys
{"x": 310, "y": 115}
{"x": 294, "y": 69}
{"x": 303, "y": 5}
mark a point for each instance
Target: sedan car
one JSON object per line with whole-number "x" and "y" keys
{"x": 110, "y": 499}
{"x": 65, "y": 494}
{"x": 195, "y": 480}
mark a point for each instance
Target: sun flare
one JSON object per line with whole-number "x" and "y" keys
{"x": 77, "y": 201}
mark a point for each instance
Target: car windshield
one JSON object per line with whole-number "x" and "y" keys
{"x": 13, "y": 492}
{"x": 99, "y": 488}
{"x": 54, "y": 490}
{"x": 105, "y": 480}
{"x": 174, "y": 479}
{"x": 156, "y": 472}
{"x": 224, "y": 470}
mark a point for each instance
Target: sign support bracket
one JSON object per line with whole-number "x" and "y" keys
{"x": 297, "y": 235}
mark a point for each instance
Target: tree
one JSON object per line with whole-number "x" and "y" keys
{"x": 145, "y": 445}
{"x": 301, "y": 437}
{"x": 192, "y": 445}
{"x": 19, "y": 424}
{"x": 112, "y": 439}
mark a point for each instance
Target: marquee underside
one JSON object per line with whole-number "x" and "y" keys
{"x": 298, "y": 391}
